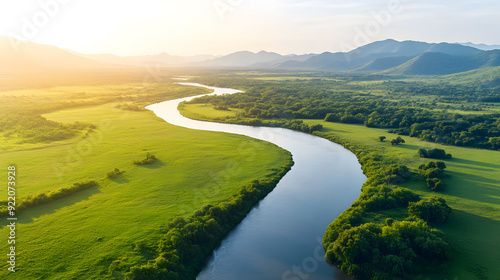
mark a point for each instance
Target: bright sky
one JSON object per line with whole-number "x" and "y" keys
{"x": 188, "y": 27}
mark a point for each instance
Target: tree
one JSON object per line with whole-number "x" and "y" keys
{"x": 422, "y": 153}
{"x": 434, "y": 211}
{"x": 381, "y": 138}
{"x": 397, "y": 141}
{"x": 494, "y": 142}
{"x": 435, "y": 184}
{"x": 441, "y": 165}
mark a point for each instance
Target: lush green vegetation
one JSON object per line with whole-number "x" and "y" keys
{"x": 433, "y": 153}
{"x": 418, "y": 108}
{"x": 113, "y": 173}
{"x": 404, "y": 244}
{"x": 433, "y": 173}
{"x": 35, "y": 128}
{"x": 44, "y": 198}
{"x": 23, "y": 127}
{"x": 133, "y": 209}
{"x": 130, "y": 107}
{"x": 471, "y": 188}
{"x": 150, "y": 159}
{"x": 464, "y": 245}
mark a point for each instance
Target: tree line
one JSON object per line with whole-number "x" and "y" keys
{"x": 340, "y": 101}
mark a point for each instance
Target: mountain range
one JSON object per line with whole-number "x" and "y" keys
{"x": 388, "y": 57}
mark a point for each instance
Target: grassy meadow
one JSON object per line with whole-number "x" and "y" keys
{"x": 79, "y": 236}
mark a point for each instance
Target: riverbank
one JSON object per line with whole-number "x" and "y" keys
{"x": 78, "y": 237}
{"x": 324, "y": 167}
{"x": 473, "y": 210}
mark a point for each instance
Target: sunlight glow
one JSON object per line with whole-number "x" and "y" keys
{"x": 187, "y": 27}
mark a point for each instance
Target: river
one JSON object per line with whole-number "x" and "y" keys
{"x": 281, "y": 237}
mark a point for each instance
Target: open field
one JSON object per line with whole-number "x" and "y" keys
{"x": 79, "y": 236}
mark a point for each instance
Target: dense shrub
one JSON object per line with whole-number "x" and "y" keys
{"x": 150, "y": 158}
{"x": 434, "y": 173}
{"x": 397, "y": 141}
{"x": 112, "y": 174}
{"x": 35, "y": 128}
{"x": 433, "y": 153}
{"x": 385, "y": 251}
{"x": 433, "y": 211}
{"x": 130, "y": 107}
{"x": 44, "y": 198}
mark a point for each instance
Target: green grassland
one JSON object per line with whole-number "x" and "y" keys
{"x": 79, "y": 236}
{"x": 472, "y": 190}
{"x": 207, "y": 112}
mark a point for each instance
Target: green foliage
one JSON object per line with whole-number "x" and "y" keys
{"x": 397, "y": 141}
{"x": 435, "y": 184}
{"x": 433, "y": 211}
{"x": 434, "y": 173}
{"x": 386, "y": 251}
{"x": 433, "y": 153}
{"x": 43, "y": 198}
{"x": 35, "y": 128}
{"x": 343, "y": 100}
{"x": 130, "y": 107}
{"x": 150, "y": 159}
{"x": 382, "y": 138}
{"x": 112, "y": 174}
{"x": 392, "y": 250}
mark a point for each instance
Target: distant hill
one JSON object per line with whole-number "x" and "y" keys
{"x": 431, "y": 63}
{"x": 484, "y": 77}
{"x": 17, "y": 56}
{"x": 261, "y": 59}
{"x": 388, "y": 56}
{"x": 25, "y": 64}
{"x": 483, "y": 47}
{"x": 365, "y": 57}
{"x": 384, "y": 63}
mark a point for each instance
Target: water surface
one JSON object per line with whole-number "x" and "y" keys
{"x": 281, "y": 237}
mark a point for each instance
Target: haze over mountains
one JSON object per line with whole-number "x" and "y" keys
{"x": 388, "y": 57}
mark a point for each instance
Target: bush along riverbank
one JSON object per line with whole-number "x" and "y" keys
{"x": 387, "y": 232}
{"x": 188, "y": 242}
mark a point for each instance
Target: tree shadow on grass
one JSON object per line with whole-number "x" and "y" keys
{"x": 472, "y": 187}
{"x": 474, "y": 248}
{"x": 473, "y": 162}
{"x": 408, "y": 146}
{"x": 28, "y": 216}
{"x": 326, "y": 129}
{"x": 120, "y": 179}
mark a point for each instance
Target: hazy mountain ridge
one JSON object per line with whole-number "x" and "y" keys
{"x": 483, "y": 47}
{"x": 388, "y": 56}
{"x": 432, "y": 63}
{"x": 17, "y": 56}
{"x": 381, "y": 55}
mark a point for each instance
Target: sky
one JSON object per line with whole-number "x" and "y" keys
{"x": 218, "y": 27}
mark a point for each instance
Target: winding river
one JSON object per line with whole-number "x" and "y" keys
{"x": 281, "y": 237}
